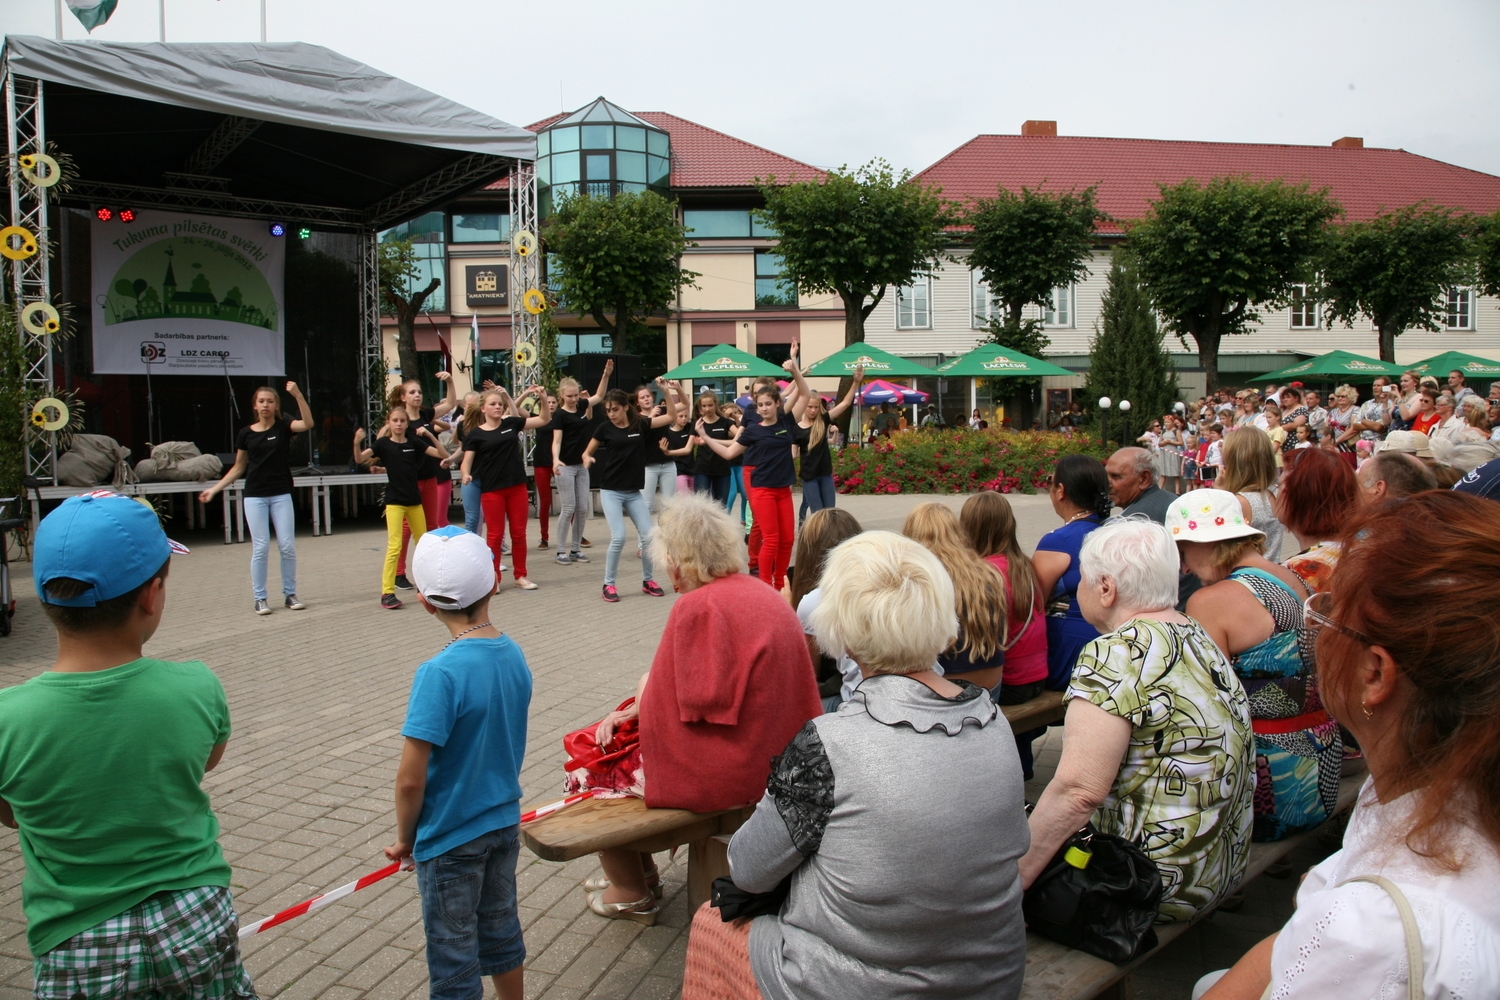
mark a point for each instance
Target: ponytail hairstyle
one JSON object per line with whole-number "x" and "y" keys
{"x": 474, "y": 415}
{"x": 397, "y": 395}
{"x": 979, "y": 592}
{"x": 818, "y": 430}
{"x": 1085, "y": 484}
{"x": 990, "y": 524}
{"x": 276, "y": 415}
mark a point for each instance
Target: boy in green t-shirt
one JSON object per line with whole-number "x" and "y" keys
{"x": 126, "y": 892}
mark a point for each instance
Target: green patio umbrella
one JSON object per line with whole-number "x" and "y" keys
{"x": 723, "y": 361}
{"x": 876, "y": 363}
{"x": 994, "y": 361}
{"x": 1480, "y": 369}
{"x": 1333, "y": 365}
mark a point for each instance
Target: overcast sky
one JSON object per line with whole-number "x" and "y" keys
{"x": 836, "y": 83}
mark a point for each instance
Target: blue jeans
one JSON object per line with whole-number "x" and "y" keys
{"x": 715, "y": 486}
{"x": 469, "y": 914}
{"x": 261, "y": 513}
{"x": 737, "y": 489}
{"x": 818, "y": 493}
{"x": 469, "y": 493}
{"x": 661, "y": 476}
{"x": 618, "y": 505}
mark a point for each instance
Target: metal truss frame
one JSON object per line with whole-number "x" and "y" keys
{"x": 372, "y": 366}
{"x": 29, "y": 278}
{"x": 525, "y": 275}
{"x": 458, "y": 176}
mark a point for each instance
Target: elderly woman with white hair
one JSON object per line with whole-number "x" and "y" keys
{"x": 1157, "y": 743}
{"x": 898, "y": 820}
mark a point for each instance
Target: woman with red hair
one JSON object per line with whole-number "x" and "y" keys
{"x": 1418, "y": 879}
{"x": 1318, "y": 498}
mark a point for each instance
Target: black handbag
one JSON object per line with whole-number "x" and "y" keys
{"x": 1098, "y": 894}
{"x": 732, "y": 902}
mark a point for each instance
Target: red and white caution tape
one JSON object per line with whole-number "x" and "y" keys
{"x": 552, "y": 807}
{"x": 318, "y": 902}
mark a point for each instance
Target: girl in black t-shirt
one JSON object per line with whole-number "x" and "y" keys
{"x": 435, "y": 483}
{"x": 710, "y": 472}
{"x": 493, "y": 454}
{"x": 570, "y": 435}
{"x": 621, "y": 441}
{"x": 262, "y": 454}
{"x": 661, "y": 471}
{"x": 400, "y": 451}
{"x": 541, "y": 467}
{"x": 677, "y": 444}
{"x": 817, "y": 457}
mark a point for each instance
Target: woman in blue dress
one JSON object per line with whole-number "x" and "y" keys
{"x": 1080, "y": 496}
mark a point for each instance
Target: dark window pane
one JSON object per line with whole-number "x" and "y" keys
{"x": 631, "y": 166}
{"x": 659, "y": 170}
{"x": 427, "y": 228}
{"x": 718, "y": 224}
{"x": 564, "y": 139}
{"x": 564, "y": 168}
{"x": 759, "y": 228}
{"x": 598, "y": 136}
{"x": 630, "y": 138}
{"x": 544, "y": 143}
{"x": 657, "y": 144}
{"x": 774, "y": 353}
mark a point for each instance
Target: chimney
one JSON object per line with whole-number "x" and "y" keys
{"x": 1044, "y": 128}
{"x": 1349, "y": 142}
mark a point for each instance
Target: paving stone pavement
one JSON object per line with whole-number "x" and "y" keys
{"x": 304, "y": 791}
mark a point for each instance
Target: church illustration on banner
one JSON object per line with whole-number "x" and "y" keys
{"x": 138, "y": 299}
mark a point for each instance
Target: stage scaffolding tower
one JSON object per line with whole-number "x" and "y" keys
{"x": 525, "y": 275}
{"x": 30, "y": 281}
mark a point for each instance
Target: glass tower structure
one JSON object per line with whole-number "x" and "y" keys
{"x": 600, "y": 150}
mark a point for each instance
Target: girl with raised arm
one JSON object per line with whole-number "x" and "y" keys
{"x": 570, "y": 435}
{"x": 492, "y": 454}
{"x": 435, "y": 484}
{"x": 817, "y": 458}
{"x": 262, "y": 454}
{"x": 400, "y": 451}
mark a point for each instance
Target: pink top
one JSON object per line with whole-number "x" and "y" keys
{"x": 1026, "y": 660}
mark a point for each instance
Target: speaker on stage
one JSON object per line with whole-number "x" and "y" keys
{"x": 587, "y": 368}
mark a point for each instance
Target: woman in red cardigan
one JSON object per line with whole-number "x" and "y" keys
{"x": 730, "y": 685}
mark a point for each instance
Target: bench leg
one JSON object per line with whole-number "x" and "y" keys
{"x": 1122, "y": 990}
{"x": 707, "y": 860}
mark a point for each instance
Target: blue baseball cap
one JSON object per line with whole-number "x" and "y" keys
{"x": 102, "y": 538}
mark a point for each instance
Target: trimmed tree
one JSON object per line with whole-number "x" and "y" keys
{"x": 1027, "y": 244}
{"x": 1487, "y": 254}
{"x": 1396, "y": 269}
{"x": 1211, "y": 255}
{"x": 1126, "y": 358}
{"x": 402, "y": 299}
{"x": 619, "y": 259}
{"x": 855, "y": 234}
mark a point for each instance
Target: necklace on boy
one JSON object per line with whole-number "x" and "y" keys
{"x": 465, "y": 632}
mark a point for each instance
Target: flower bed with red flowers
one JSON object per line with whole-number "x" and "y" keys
{"x": 958, "y": 461}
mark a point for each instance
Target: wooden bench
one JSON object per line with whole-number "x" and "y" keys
{"x": 595, "y": 824}
{"x": 1056, "y": 972}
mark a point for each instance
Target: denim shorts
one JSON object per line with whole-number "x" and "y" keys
{"x": 469, "y": 914}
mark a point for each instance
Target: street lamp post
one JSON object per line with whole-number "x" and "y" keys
{"x": 1104, "y": 404}
{"x": 1125, "y": 418}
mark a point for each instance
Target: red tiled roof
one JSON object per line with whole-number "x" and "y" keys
{"x": 1364, "y": 181}
{"x": 707, "y": 158}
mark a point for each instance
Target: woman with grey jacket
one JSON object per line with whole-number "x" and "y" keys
{"x": 899, "y": 819}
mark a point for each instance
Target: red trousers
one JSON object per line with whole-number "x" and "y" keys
{"x": 498, "y": 506}
{"x": 543, "y": 497}
{"x": 436, "y": 495}
{"x": 777, "y": 522}
{"x": 757, "y": 539}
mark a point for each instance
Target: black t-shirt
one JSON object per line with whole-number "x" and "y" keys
{"x": 498, "y": 461}
{"x": 268, "y": 471}
{"x": 677, "y": 439}
{"x": 427, "y": 466}
{"x": 622, "y": 456}
{"x": 655, "y": 435}
{"x": 574, "y": 428}
{"x": 768, "y": 450}
{"x": 709, "y": 462}
{"x": 542, "y": 454}
{"x": 401, "y": 461}
{"x": 817, "y": 460}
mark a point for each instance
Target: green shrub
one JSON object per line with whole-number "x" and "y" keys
{"x": 958, "y": 461}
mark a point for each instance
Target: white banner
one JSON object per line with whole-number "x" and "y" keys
{"x": 185, "y": 294}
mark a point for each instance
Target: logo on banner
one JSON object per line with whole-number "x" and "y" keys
{"x": 486, "y": 285}
{"x": 866, "y": 362}
{"x": 726, "y": 365}
{"x": 153, "y": 352}
{"x": 1001, "y": 363}
{"x": 1363, "y": 366}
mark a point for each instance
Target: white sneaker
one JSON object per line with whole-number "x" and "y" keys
{"x": 262, "y": 608}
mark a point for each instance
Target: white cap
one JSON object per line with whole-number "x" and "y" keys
{"x": 452, "y": 568}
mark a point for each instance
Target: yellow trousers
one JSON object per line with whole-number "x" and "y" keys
{"x": 395, "y": 514}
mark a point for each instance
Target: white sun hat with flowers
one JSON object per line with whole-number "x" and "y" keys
{"x": 1208, "y": 516}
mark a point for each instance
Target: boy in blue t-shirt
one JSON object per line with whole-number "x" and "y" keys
{"x": 458, "y": 787}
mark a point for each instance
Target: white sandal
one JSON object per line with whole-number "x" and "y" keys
{"x": 642, "y": 911}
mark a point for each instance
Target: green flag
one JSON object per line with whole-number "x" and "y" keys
{"x": 92, "y": 13}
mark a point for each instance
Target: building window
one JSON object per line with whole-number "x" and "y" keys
{"x": 1460, "y": 309}
{"x": 724, "y": 224}
{"x": 914, "y": 305}
{"x": 481, "y": 227}
{"x": 426, "y": 233}
{"x": 771, "y": 289}
{"x": 1058, "y": 312}
{"x": 985, "y": 307}
{"x": 1304, "y": 309}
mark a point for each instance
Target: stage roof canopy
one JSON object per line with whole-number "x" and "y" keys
{"x": 282, "y": 129}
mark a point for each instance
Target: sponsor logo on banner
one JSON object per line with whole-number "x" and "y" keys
{"x": 1362, "y": 366}
{"x": 867, "y": 363}
{"x": 1476, "y": 368}
{"x": 1001, "y": 363}
{"x": 726, "y": 365}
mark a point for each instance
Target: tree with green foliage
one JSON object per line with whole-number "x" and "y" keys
{"x": 1211, "y": 255}
{"x": 855, "y": 234}
{"x": 1027, "y": 244}
{"x": 1395, "y": 269}
{"x": 1487, "y": 254}
{"x": 620, "y": 259}
{"x": 1126, "y": 357}
{"x": 546, "y": 351}
{"x": 402, "y": 299}
{"x": 14, "y": 408}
